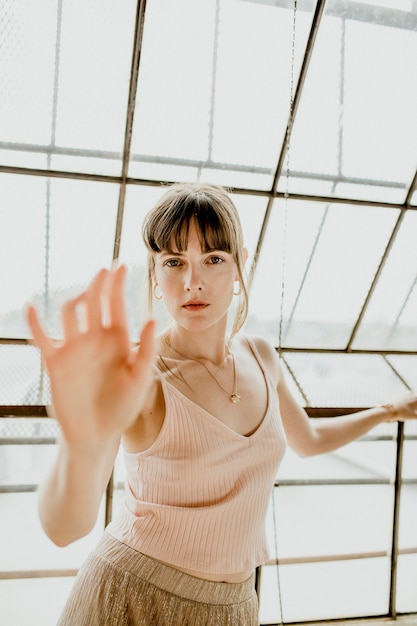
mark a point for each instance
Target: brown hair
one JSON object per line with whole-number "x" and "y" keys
{"x": 218, "y": 227}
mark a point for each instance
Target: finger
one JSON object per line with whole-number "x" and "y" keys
{"x": 146, "y": 352}
{"x": 40, "y": 338}
{"x": 70, "y": 323}
{"x": 117, "y": 306}
{"x": 93, "y": 300}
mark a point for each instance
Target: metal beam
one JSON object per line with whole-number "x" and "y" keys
{"x": 131, "y": 105}
{"x": 287, "y": 135}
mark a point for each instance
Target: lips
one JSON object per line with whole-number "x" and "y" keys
{"x": 195, "y": 305}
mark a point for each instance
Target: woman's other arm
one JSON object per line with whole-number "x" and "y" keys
{"x": 98, "y": 386}
{"x": 308, "y": 437}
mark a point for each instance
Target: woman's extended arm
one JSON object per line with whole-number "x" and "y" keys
{"x": 99, "y": 386}
{"x": 308, "y": 436}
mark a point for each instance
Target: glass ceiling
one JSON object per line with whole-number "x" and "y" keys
{"x": 103, "y": 102}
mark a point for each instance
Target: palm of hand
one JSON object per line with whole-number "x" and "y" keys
{"x": 98, "y": 383}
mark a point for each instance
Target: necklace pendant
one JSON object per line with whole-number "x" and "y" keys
{"x": 235, "y": 398}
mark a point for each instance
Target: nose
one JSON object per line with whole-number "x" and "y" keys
{"x": 193, "y": 280}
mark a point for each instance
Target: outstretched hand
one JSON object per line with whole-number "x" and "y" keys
{"x": 403, "y": 409}
{"x": 99, "y": 383}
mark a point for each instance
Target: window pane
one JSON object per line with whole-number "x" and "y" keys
{"x": 66, "y": 229}
{"x": 329, "y": 256}
{"x": 64, "y": 99}
{"x": 326, "y": 591}
{"x": 406, "y": 584}
{"x": 43, "y": 600}
{"x": 390, "y": 319}
{"x": 23, "y": 379}
{"x": 359, "y": 125}
{"x": 345, "y": 380}
{"x": 229, "y": 119}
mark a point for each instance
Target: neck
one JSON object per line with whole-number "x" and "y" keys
{"x": 201, "y": 346}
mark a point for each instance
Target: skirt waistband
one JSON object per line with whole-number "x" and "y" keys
{"x": 170, "y": 579}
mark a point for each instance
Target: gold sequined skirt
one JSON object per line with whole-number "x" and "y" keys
{"x": 118, "y": 586}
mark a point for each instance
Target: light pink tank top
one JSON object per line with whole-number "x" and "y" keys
{"x": 198, "y": 497}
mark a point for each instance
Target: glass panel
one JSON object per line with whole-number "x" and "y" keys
{"x": 345, "y": 380}
{"x": 62, "y": 97}
{"x": 265, "y": 295}
{"x": 407, "y": 563}
{"x": 23, "y": 379}
{"x": 360, "y": 126}
{"x": 14, "y": 433}
{"x": 77, "y": 247}
{"x": 325, "y": 591}
{"x": 364, "y": 459}
{"x": 24, "y": 464}
{"x": 409, "y": 470}
{"x": 28, "y": 34}
{"x": 331, "y": 520}
{"x": 22, "y": 247}
{"x": 94, "y": 79}
{"x": 328, "y": 263}
{"x": 322, "y": 307}
{"x": 229, "y": 119}
{"x": 408, "y": 511}
{"x": 56, "y": 223}
{"x": 390, "y": 319}
{"x": 43, "y": 602}
{"x": 406, "y": 584}
{"x": 393, "y": 193}
{"x": 35, "y": 550}
{"x": 328, "y": 523}
{"x": 406, "y": 366}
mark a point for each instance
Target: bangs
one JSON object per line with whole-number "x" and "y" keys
{"x": 169, "y": 231}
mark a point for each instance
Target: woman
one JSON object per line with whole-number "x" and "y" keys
{"x": 203, "y": 416}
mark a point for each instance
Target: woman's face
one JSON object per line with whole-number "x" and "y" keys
{"x": 197, "y": 286}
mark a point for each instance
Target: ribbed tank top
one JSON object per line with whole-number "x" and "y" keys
{"x": 197, "y": 497}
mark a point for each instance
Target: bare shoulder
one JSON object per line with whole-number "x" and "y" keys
{"x": 269, "y": 357}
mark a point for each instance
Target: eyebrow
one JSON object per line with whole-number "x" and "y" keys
{"x": 170, "y": 253}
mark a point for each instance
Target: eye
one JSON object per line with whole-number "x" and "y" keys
{"x": 215, "y": 260}
{"x": 172, "y": 263}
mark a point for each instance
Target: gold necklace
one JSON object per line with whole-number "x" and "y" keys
{"x": 234, "y": 397}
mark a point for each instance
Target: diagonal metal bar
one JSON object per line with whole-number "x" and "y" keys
{"x": 133, "y": 84}
{"x": 284, "y": 145}
{"x": 315, "y": 24}
{"x": 376, "y": 279}
{"x": 411, "y": 190}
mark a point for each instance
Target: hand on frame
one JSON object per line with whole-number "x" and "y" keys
{"x": 98, "y": 382}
